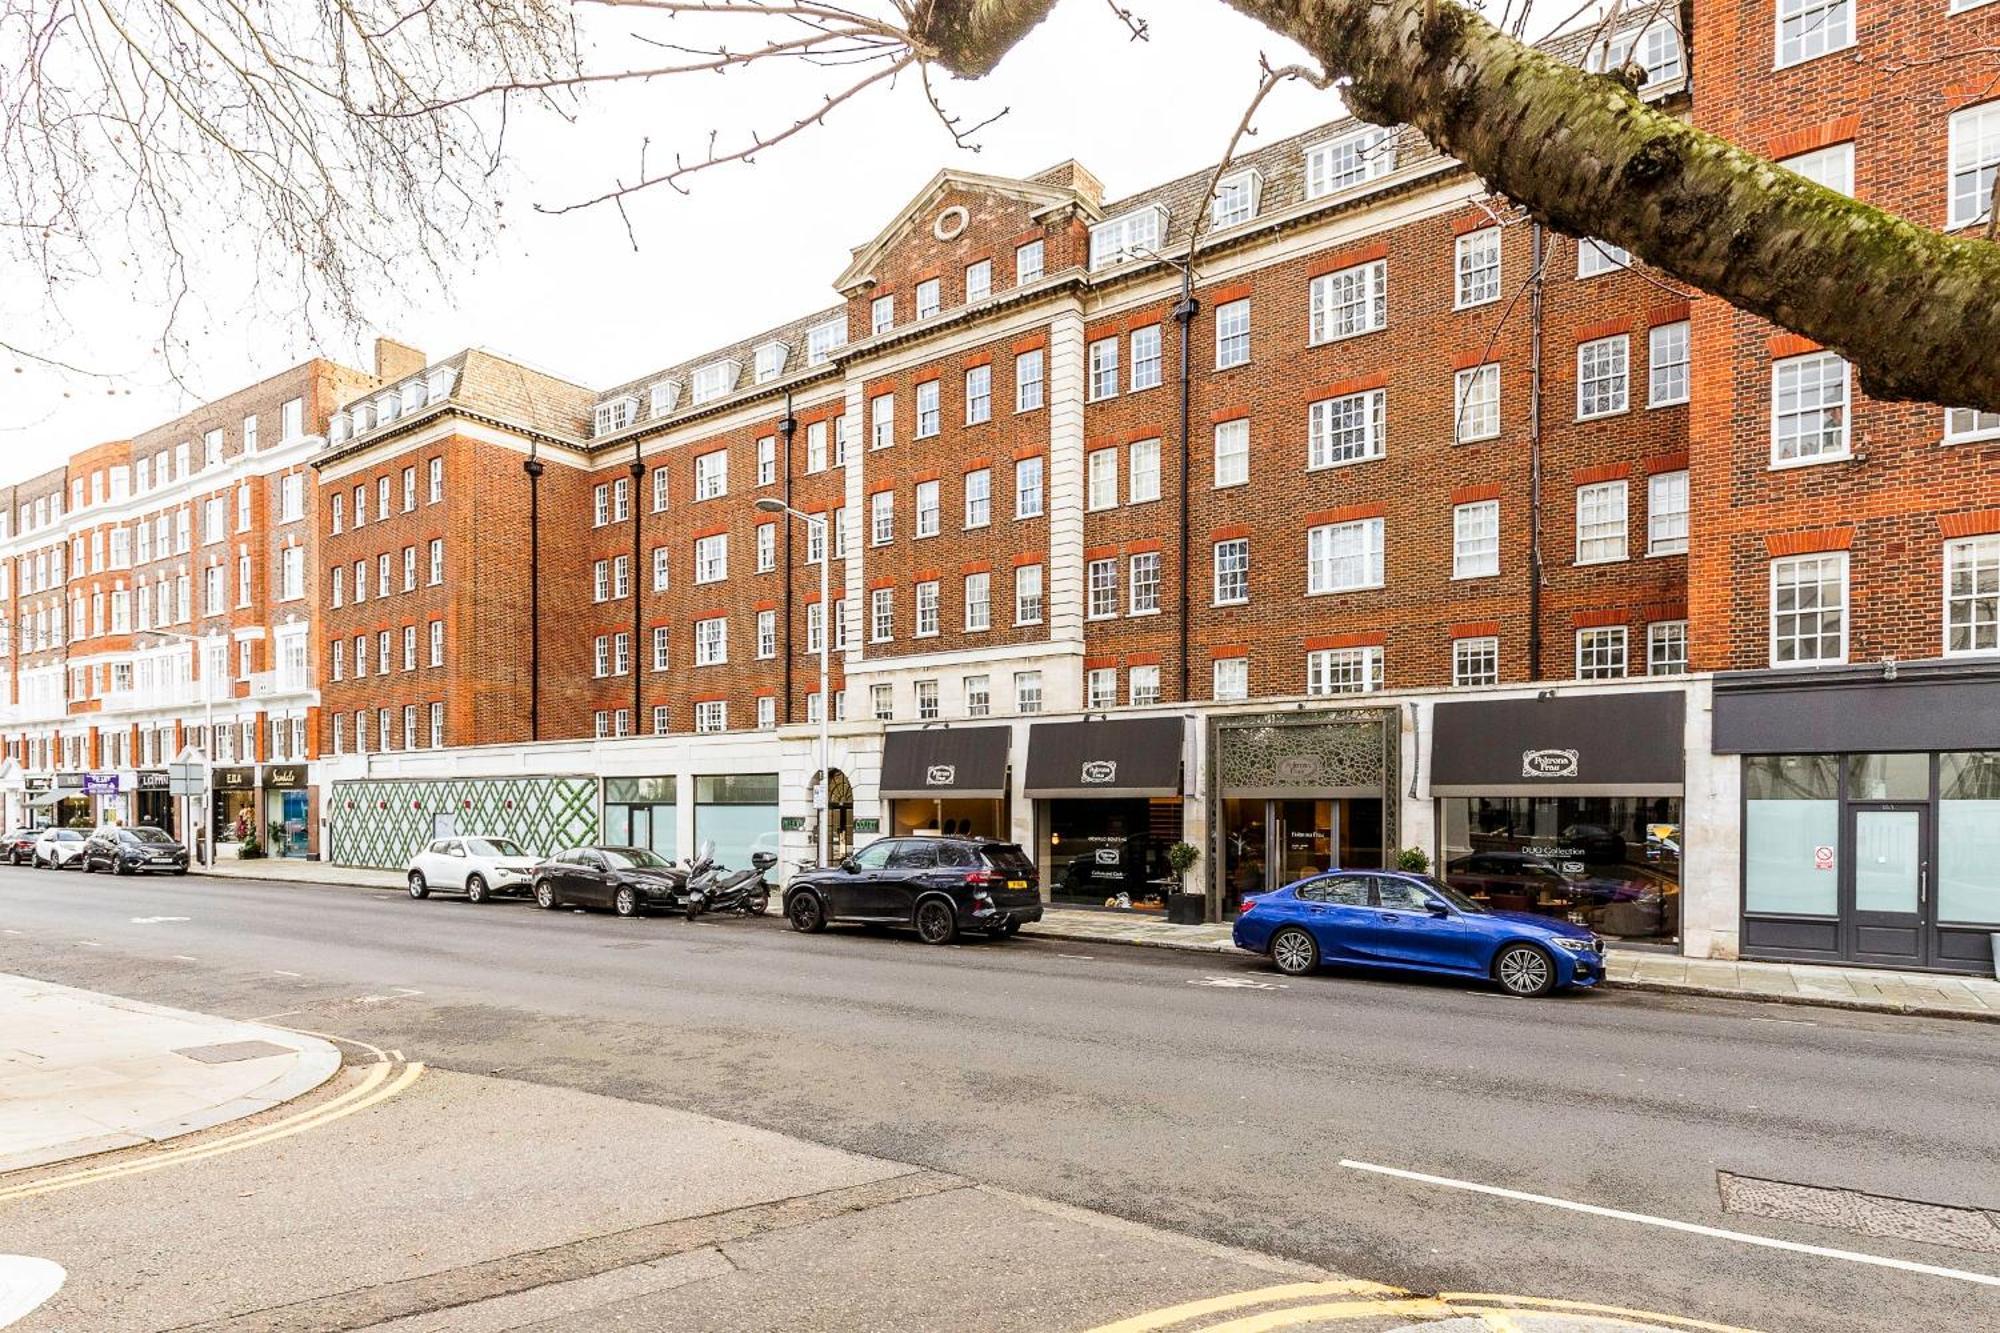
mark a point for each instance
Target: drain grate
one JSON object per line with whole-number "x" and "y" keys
{"x": 228, "y": 1052}
{"x": 1976, "y": 1229}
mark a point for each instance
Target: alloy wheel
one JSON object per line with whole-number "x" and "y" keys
{"x": 936, "y": 923}
{"x": 545, "y": 895}
{"x": 804, "y": 913}
{"x": 1525, "y": 970}
{"x": 1294, "y": 952}
{"x": 627, "y": 901}
{"x": 418, "y": 889}
{"x": 475, "y": 889}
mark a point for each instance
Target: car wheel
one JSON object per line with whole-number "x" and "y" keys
{"x": 545, "y": 895}
{"x": 1525, "y": 970}
{"x": 805, "y": 913}
{"x": 626, "y": 901}
{"x": 85, "y": 863}
{"x": 937, "y": 921}
{"x": 1294, "y": 951}
{"x": 122, "y": 868}
{"x": 418, "y": 888}
{"x": 475, "y": 889}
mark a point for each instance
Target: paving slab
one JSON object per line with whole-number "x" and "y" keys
{"x": 83, "y": 1073}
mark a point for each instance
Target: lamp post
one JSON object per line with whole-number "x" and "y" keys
{"x": 206, "y": 844}
{"x": 823, "y": 798}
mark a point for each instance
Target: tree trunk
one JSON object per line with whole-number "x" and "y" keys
{"x": 1916, "y": 312}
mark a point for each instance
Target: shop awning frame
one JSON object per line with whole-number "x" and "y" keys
{"x": 946, "y": 763}
{"x": 1139, "y": 756}
{"x": 1618, "y": 743}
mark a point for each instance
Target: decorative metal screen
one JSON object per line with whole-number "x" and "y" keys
{"x": 1279, "y": 753}
{"x": 383, "y": 823}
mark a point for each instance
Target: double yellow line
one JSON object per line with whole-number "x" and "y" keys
{"x": 1365, "y": 1300}
{"x": 384, "y": 1079}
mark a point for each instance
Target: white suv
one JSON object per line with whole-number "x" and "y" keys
{"x": 478, "y": 867}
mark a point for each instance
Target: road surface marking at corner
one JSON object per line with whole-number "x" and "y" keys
{"x": 187, "y": 958}
{"x": 1179, "y": 1314}
{"x": 90, "y": 944}
{"x": 280, "y": 972}
{"x": 1672, "y": 1224}
{"x": 1410, "y": 1307}
{"x": 376, "y": 1086}
{"x": 25, "y": 1283}
{"x": 1545, "y": 1306}
{"x": 156, "y": 920}
{"x": 1237, "y": 983}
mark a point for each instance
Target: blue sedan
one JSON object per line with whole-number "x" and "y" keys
{"x": 1383, "y": 918}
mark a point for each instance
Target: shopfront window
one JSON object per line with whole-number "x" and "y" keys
{"x": 1612, "y": 863}
{"x": 1112, "y": 853}
{"x": 1969, "y": 838}
{"x": 738, "y": 812}
{"x": 962, "y": 817}
{"x": 1267, "y": 844}
{"x": 1791, "y": 833}
{"x": 641, "y": 812}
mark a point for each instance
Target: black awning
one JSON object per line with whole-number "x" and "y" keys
{"x": 1138, "y": 756}
{"x": 1915, "y": 706}
{"x": 1631, "y": 744}
{"x": 945, "y": 761}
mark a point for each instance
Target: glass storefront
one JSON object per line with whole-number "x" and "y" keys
{"x": 1791, "y": 834}
{"x": 960, "y": 817}
{"x": 1969, "y": 839}
{"x": 642, "y": 812}
{"x": 1612, "y": 863}
{"x": 1267, "y": 844}
{"x": 1112, "y": 852}
{"x": 738, "y": 812}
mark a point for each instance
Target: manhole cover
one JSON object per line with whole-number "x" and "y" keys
{"x": 228, "y": 1052}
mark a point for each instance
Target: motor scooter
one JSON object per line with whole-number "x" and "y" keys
{"x": 711, "y": 888}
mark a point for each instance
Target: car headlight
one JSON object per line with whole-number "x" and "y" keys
{"x": 1576, "y": 945}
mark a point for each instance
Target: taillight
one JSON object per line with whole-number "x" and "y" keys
{"x": 1248, "y": 903}
{"x": 981, "y": 879}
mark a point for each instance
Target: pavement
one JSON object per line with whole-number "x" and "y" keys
{"x": 84, "y": 1073}
{"x": 1203, "y": 1129}
{"x": 1925, "y": 994}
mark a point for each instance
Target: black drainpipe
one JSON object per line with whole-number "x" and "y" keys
{"x": 637, "y": 469}
{"x": 1184, "y": 314}
{"x": 534, "y": 468}
{"x": 1535, "y": 454}
{"x": 788, "y": 426}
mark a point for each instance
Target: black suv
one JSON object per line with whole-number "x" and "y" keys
{"x": 938, "y": 885}
{"x": 128, "y": 851}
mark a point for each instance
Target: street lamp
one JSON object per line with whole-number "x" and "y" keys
{"x": 823, "y": 798}
{"x": 205, "y": 843}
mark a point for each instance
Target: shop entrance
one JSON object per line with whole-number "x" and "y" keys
{"x": 839, "y": 813}
{"x": 1891, "y": 881}
{"x": 1267, "y": 844}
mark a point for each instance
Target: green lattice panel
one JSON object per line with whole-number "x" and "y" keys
{"x": 383, "y": 822}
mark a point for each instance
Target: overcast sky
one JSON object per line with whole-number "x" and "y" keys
{"x": 752, "y": 247}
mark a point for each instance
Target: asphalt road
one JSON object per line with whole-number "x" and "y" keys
{"x": 1195, "y": 1094}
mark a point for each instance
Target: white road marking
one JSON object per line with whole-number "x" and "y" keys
{"x": 156, "y": 920}
{"x": 90, "y": 944}
{"x": 1802, "y": 1022}
{"x": 1079, "y": 957}
{"x": 1238, "y": 983}
{"x": 187, "y": 958}
{"x": 11, "y": 932}
{"x": 280, "y": 972}
{"x": 402, "y": 993}
{"x": 1671, "y": 1224}
{"x": 26, "y": 1282}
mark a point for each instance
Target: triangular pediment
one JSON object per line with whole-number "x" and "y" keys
{"x": 1039, "y": 200}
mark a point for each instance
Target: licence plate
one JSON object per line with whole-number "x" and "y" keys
{"x": 1017, "y": 883}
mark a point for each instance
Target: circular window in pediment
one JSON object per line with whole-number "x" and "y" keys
{"x": 950, "y": 223}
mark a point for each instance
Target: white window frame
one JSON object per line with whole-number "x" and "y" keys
{"x": 1335, "y": 671}
{"x": 930, "y": 419}
{"x": 1476, "y": 268}
{"x": 1668, "y": 364}
{"x": 1227, "y": 465}
{"x": 1603, "y": 377}
{"x": 711, "y": 474}
{"x": 1024, "y": 469}
{"x": 1832, "y": 167}
{"x": 1229, "y": 679}
{"x": 929, "y": 502}
{"x": 882, "y": 314}
{"x": 1603, "y": 522}
{"x": 1236, "y": 199}
{"x": 979, "y": 395}
{"x": 1345, "y": 430}
{"x": 1231, "y": 565}
{"x": 1030, "y": 595}
{"x": 978, "y": 280}
{"x": 1475, "y": 539}
{"x": 1359, "y": 546}
{"x": 1116, "y": 240}
{"x": 1144, "y": 372}
{"x": 1964, "y": 424}
{"x": 1348, "y": 302}
{"x": 1232, "y": 334}
{"x": 978, "y": 498}
{"x": 929, "y": 298}
{"x": 1818, "y": 33}
{"x": 1142, "y": 471}
{"x": 1475, "y": 400}
{"x": 1667, "y": 499}
{"x": 1835, "y": 560}
{"x": 1349, "y": 161}
{"x": 1595, "y": 257}
{"x": 978, "y": 602}
{"x": 1974, "y": 139}
{"x": 1482, "y": 650}
{"x": 1599, "y": 644}
{"x": 1100, "y": 578}
{"x": 1661, "y": 632}
{"x": 1142, "y": 584}
{"x": 1981, "y": 604}
{"x": 1101, "y": 479}
{"x": 1103, "y": 368}
{"x": 1795, "y": 368}
{"x": 1028, "y": 388}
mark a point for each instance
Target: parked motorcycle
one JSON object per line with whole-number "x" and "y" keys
{"x": 711, "y": 888}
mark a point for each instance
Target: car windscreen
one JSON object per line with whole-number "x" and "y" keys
{"x": 1007, "y": 857}
{"x": 493, "y": 847}
{"x": 629, "y": 858}
{"x": 147, "y": 835}
{"x": 1453, "y": 896}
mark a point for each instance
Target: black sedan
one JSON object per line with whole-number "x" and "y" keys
{"x": 940, "y": 886}
{"x": 132, "y": 851}
{"x": 628, "y": 880}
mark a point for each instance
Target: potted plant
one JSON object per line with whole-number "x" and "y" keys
{"x": 249, "y": 849}
{"x": 1415, "y": 860}
{"x": 1188, "y": 906}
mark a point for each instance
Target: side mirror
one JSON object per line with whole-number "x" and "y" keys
{"x": 1437, "y": 908}
{"x": 847, "y": 864}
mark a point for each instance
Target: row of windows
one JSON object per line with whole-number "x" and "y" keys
{"x": 386, "y": 729}
{"x": 339, "y": 589}
{"x": 1810, "y": 603}
{"x": 927, "y": 298}
{"x": 338, "y": 511}
{"x": 385, "y": 642}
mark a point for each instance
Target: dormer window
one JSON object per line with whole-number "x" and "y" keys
{"x": 364, "y": 417}
{"x": 771, "y": 358}
{"x": 1350, "y": 160}
{"x": 439, "y": 382}
{"x": 823, "y": 340}
{"x": 336, "y": 430}
{"x": 666, "y": 396}
{"x": 715, "y": 379}
{"x": 387, "y": 407}
{"x": 1656, "y": 49}
{"x": 413, "y": 396}
{"x": 615, "y": 415}
{"x": 1127, "y": 236}
{"x": 1236, "y": 198}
